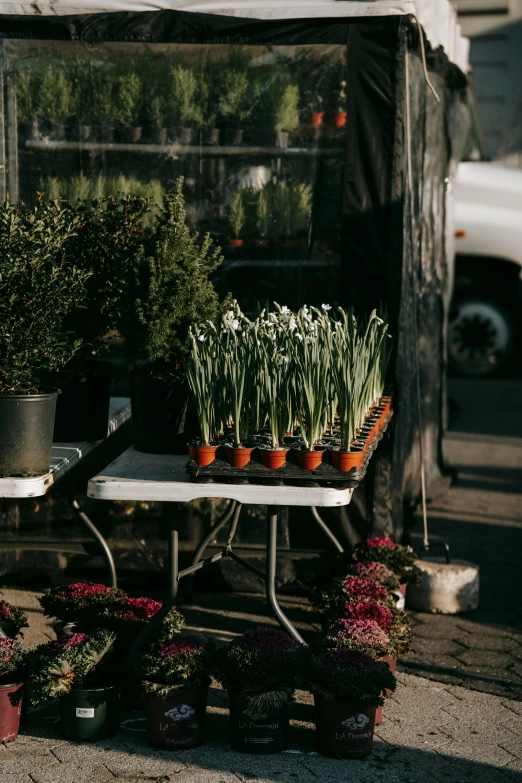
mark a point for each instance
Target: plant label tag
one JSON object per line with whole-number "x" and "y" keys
{"x": 85, "y": 712}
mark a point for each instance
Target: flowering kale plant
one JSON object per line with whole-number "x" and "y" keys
{"x": 368, "y": 610}
{"x": 392, "y": 621}
{"x": 77, "y": 661}
{"x": 362, "y": 635}
{"x": 348, "y": 674}
{"x": 377, "y": 572}
{"x": 131, "y": 614}
{"x": 12, "y": 662}
{"x": 264, "y": 661}
{"x": 80, "y": 601}
{"x": 400, "y": 559}
{"x": 12, "y": 620}
{"x": 177, "y": 664}
{"x": 349, "y": 588}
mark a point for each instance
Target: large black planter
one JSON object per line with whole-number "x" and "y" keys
{"x": 82, "y": 411}
{"x": 343, "y": 728}
{"x": 26, "y": 432}
{"x": 163, "y": 420}
{"x": 177, "y": 720}
{"x": 255, "y": 732}
{"x": 90, "y": 715}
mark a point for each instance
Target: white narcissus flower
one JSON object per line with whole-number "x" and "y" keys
{"x": 299, "y": 337}
{"x": 229, "y": 315}
{"x": 326, "y": 307}
{"x": 310, "y": 339}
{"x": 201, "y": 338}
{"x": 292, "y": 325}
{"x": 285, "y": 310}
{"x": 235, "y": 324}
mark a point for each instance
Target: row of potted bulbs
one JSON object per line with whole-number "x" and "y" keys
{"x": 311, "y": 380}
{"x": 349, "y": 668}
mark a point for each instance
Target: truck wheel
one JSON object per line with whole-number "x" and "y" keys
{"x": 481, "y": 335}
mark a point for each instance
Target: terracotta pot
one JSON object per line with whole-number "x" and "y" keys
{"x": 316, "y": 118}
{"x": 392, "y": 663}
{"x": 308, "y": 460}
{"x": 203, "y": 455}
{"x": 340, "y": 119}
{"x": 343, "y": 728}
{"x": 236, "y": 243}
{"x": 254, "y": 732}
{"x": 177, "y": 720}
{"x": 238, "y": 458}
{"x": 273, "y": 458}
{"x": 10, "y": 710}
{"x": 346, "y": 460}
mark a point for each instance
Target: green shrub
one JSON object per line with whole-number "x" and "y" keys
{"x": 128, "y": 101}
{"x": 56, "y": 97}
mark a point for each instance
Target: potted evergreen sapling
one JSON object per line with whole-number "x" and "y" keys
{"x": 12, "y": 620}
{"x": 129, "y": 100}
{"x": 183, "y": 107}
{"x": 82, "y": 672}
{"x": 233, "y": 99}
{"x": 207, "y": 105}
{"x": 27, "y": 105}
{"x": 260, "y": 670}
{"x": 347, "y": 687}
{"x": 156, "y": 116}
{"x": 40, "y": 286}
{"x": 104, "y": 104}
{"x": 175, "y": 676}
{"x": 286, "y": 114}
{"x": 56, "y": 102}
{"x": 13, "y": 672}
{"x": 168, "y": 291}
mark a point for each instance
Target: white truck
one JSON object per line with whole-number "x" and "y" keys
{"x": 484, "y": 333}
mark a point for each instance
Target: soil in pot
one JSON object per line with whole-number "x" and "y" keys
{"x": 308, "y": 460}
{"x": 90, "y": 715}
{"x": 273, "y": 458}
{"x": 202, "y": 455}
{"x": 82, "y": 409}
{"x": 254, "y": 731}
{"x": 26, "y": 432}
{"x": 343, "y": 728}
{"x": 346, "y": 460}
{"x": 163, "y": 420}
{"x": 238, "y": 458}
{"x": 177, "y": 720}
{"x": 11, "y": 698}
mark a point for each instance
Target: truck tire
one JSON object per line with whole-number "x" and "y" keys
{"x": 482, "y": 334}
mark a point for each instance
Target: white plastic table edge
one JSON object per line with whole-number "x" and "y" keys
{"x": 135, "y": 475}
{"x": 64, "y": 456}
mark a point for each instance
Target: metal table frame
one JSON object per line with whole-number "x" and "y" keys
{"x": 138, "y": 476}
{"x": 64, "y": 458}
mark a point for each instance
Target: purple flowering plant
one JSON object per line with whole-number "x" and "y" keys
{"x": 362, "y": 635}
{"x": 350, "y": 588}
{"x": 375, "y": 571}
{"x": 12, "y": 620}
{"x": 79, "y": 602}
{"x": 128, "y": 616}
{"x": 399, "y": 559}
{"x": 78, "y": 661}
{"x": 180, "y": 663}
{"x": 13, "y": 660}
{"x": 348, "y": 674}
{"x": 394, "y": 622}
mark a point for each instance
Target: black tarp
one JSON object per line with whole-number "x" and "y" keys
{"x": 391, "y": 244}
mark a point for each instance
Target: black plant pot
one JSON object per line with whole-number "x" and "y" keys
{"x": 255, "y": 732}
{"x": 180, "y": 135}
{"x": 28, "y": 130}
{"x": 344, "y": 728}
{"x": 26, "y": 432}
{"x": 177, "y": 720}
{"x": 90, "y": 715}
{"x": 232, "y": 137}
{"x": 84, "y": 132}
{"x": 158, "y": 135}
{"x": 131, "y": 135}
{"x": 82, "y": 411}
{"x": 209, "y": 136}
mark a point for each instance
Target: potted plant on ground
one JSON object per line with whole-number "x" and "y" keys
{"x": 79, "y": 605}
{"x": 13, "y": 664}
{"x": 82, "y": 672}
{"x": 12, "y": 620}
{"x": 400, "y": 559}
{"x": 176, "y": 680}
{"x": 260, "y": 671}
{"x": 128, "y": 100}
{"x": 366, "y": 636}
{"x": 347, "y": 687}
{"x": 349, "y": 588}
{"x": 40, "y": 286}
{"x": 168, "y": 291}
{"x": 375, "y": 571}
{"x": 56, "y": 102}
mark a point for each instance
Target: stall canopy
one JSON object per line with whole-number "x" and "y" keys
{"x": 354, "y": 160}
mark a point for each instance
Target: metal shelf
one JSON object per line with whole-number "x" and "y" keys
{"x": 173, "y": 150}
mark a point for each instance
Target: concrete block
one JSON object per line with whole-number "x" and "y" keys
{"x": 445, "y": 588}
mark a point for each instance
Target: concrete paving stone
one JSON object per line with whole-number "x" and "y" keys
{"x": 488, "y": 733}
{"x": 513, "y": 706}
{"x": 517, "y": 668}
{"x": 434, "y": 631}
{"x": 491, "y": 629}
{"x": 479, "y": 657}
{"x": 15, "y": 777}
{"x": 15, "y": 760}
{"x": 423, "y": 738}
{"x": 478, "y": 751}
{"x": 428, "y": 646}
{"x": 69, "y": 773}
{"x": 494, "y": 643}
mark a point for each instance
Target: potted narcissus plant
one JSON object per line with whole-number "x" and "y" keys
{"x": 260, "y": 671}
{"x": 168, "y": 291}
{"x": 13, "y": 664}
{"x": 175, "y": 676}
{"x": 398, "y": 558}
{"x": 12, "y": 620}
{"x": 78, "y": 605}
{"x": 82, "y": 671}
{"x": 40, "y": 286}
{"x": 347, "y": 687}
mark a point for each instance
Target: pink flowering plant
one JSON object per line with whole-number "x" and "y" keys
{"x": 392, "y": 621}
{"x": 362, "y": 635}
{"x": 13, "y": 661}
{"x": 79, "y": 602}
{"x": 377, "y": 572}
{"x": 399, "y": 559}
{"x": 78, "y": 661}
{"x": 12, "y": 620}
{"x": 264, "y": 663}
{"x": 349, "y": 588}
{"x": 178, "y": 664}
{"x": 130, "y": 615}
{"x": 348, "y": 674}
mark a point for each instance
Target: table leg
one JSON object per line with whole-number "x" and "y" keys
{"x": 326, "y": 530}
{"x": 173, "y": 551}
{"x": 271, "y": 562}
{"x": 204, "y": 543}
{"x": 99, "y": 538}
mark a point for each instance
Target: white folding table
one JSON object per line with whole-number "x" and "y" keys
{"x": 64, "y": 458}
{"x": 154, "y": 477}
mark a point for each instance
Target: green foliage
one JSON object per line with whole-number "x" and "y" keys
{"x": 181, "y": 662}
{"x": 25, "y": 98}
{"x": 12, "y": 620}
{"x": 293, "y": 205}
{"x": 399, "y": 559}
{"x": 13, "y": 662}
{"x": 128, "y": 100}
{"x": 41, "y": 284}
{"x": 156, "y": 111}
{"x": 182, "y": 101}
{"x": 170, "y": 291}
{"x": 56, "y": 97}
{"x": 286, "y": 114}
{"x": 79, "y": 602}
{"x": 233, "y": 95}
{"x": 348, "y": 674}
{"x": 102, "y": 87}
{"x": 77, "y": 661}
{"x": 237, "y": 213}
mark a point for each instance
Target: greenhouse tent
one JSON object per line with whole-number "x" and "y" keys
{"x": 407, "y": 125}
